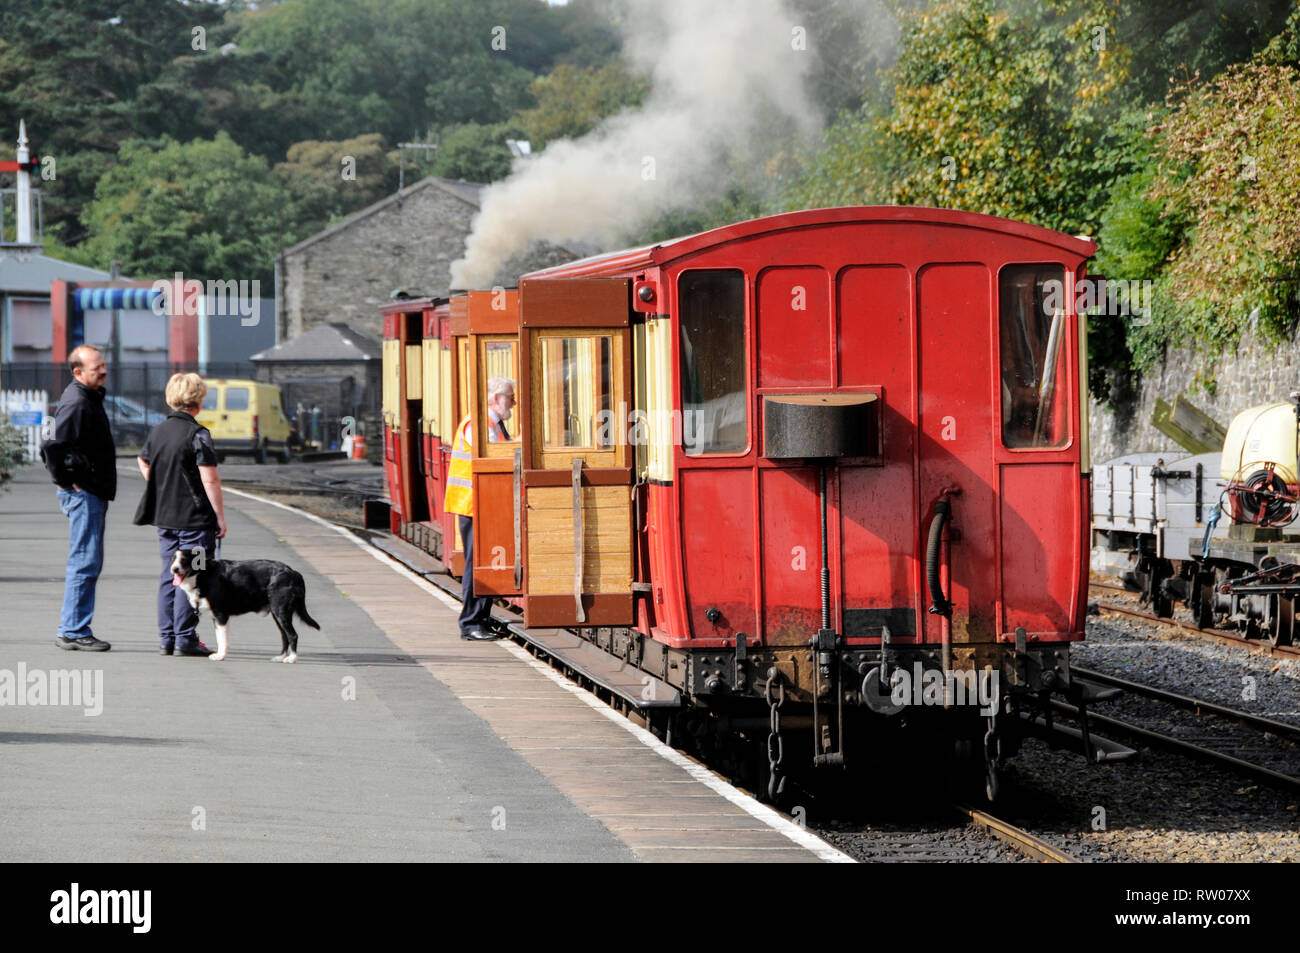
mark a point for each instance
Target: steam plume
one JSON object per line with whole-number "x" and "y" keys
{"x": 726, "y": 75}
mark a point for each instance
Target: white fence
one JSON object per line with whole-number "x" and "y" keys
{"x": 26, "y": 410}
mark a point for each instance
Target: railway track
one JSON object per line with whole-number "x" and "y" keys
{"x": 322, "y": 487}
{"x": 1026, "y": 843}
{"x": 976, "y": 837}
{"x": 1262, "y": 748}
{"x": 935, "y": 844}
{"x": 1223, "y": 636}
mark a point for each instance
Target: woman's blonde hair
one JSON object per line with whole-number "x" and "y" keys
{"x": 185, "y": 391}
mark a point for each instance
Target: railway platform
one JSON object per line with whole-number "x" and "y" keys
{"x": 391, "y": 739}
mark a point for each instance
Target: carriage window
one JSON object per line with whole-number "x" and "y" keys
{"x": 577, "y": 380}
{"x": 498, "y": 360}
{"x": 236, "y": 398}
{"x": 1032, "y": 334}
{"x": 715, "y": 414}
{"x": 210, "y": 400}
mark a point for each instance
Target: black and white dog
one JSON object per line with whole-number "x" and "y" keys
{"x": 229, "y": 588}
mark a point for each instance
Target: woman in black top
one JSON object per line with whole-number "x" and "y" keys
{"x": 182, "y": 498}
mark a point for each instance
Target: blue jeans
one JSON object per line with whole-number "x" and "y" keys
{"x": 177, "y": 619}
{"x": 85, "y": 512}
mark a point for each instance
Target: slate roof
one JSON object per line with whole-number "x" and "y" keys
{"x": 34, "y": 275}
{"x": 467, "y": 192}
{"x": 335, "y": 342}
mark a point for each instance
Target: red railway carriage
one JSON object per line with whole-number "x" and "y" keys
{"x": 816, "y": 456}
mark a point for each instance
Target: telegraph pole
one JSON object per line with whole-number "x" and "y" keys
{"x": 401, "y": 165}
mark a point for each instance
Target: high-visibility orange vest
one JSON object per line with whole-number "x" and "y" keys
{"x": 460, "y": 485}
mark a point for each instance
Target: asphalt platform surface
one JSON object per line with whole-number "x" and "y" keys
{"x": 355, "y": 753}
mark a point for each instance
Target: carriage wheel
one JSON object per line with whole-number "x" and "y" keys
{"x": 1282, "y": 629}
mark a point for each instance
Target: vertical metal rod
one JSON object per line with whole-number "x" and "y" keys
{"x": 826, "y": 572}
{"x": 115, "y": 341}
{"x": 1200, "y": 472}
{"x": 1132, "y": 495}
{"x": 1154, "y": 489}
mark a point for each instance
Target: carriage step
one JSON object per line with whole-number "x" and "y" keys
{"x": 625, "y": 680}
{"x": 1093, "y": 692}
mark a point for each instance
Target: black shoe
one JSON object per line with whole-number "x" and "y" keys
{"x": 165, "y": 650}
{"x": 477, "y": 634}
{"x": 198, "y": 648}
{"x": 87, "y": 643}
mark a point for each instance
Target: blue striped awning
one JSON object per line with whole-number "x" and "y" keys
{"x": 104, "y": 299}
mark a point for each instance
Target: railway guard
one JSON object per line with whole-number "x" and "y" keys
{"x": 476, "y": 611}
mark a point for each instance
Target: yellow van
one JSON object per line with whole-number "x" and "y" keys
{"x": 245, "y": 417}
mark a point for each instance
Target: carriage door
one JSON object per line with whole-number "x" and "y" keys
{"x": 578, "y": 481}
{"x": 406, "y": 396}
{"x": 493, "y": 352}
{"x": 455, "y": 390}
{"x": 430, "y": 422}
{"x": 957, "y": 424}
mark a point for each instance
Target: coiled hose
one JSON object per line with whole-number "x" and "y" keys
{"x": 939, "y": 604}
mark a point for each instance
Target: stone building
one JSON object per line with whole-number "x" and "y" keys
{"x": 407, "y": 240}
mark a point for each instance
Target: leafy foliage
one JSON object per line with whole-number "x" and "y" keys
{"x": 330, "y": 180}
{"x": 475, "y": 152}
{"x": 1138, "y": 233}
{"x": 992, "y": 112}
{"x": 76, "y": 78}
{"x": 1052, "y": 113}
{"x": 572, "y": 100}
{"x": 1229, "y": 163}
{"x": 205, "y": 208}
{"x": 88, "y": 75}
{"x": 13, "y": 451}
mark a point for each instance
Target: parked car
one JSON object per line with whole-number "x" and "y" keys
{"x": 130, "y": 422}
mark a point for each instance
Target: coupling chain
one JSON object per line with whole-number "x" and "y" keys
{"x": 775, "y": 743}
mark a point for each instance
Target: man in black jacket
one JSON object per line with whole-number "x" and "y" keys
{"x": 82, "y": 460}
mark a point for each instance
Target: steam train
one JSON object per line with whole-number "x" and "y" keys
{"x": 803, "y": 478}
{"x": 1161, "y": 525}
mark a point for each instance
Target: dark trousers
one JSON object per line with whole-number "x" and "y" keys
{"x": 475, "y": 611}
{"x": 177, "y": 619}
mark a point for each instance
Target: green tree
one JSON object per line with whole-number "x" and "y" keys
{"x": 393, "y": 66}
{"x": 329, "y": 180}
{"x": 205, "y": 208}
{"x": 571, "y": 100}
{"x": 476, "y": 153}
{"x": 13, "y": 449}
{"x": 1229, "y": 164}
{"x": 1176, "y": 39}
{"x": 992, "y": 112}
{"x": 75, "y": 71}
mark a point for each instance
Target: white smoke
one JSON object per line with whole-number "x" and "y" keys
{"x": 726, "y": 76}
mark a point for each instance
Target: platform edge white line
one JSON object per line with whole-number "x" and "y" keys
{"x": 760, "y": 812}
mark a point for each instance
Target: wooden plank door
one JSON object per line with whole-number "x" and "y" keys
{"x": 575, "y": 399}
{"x": 493, "y": 352}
